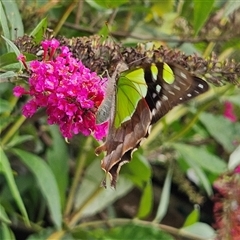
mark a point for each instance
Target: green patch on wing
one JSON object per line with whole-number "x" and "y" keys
{"x": 168, "y": 75}
{"x": 131, "y": 87}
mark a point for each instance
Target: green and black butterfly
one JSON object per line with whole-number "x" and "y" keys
{"x": 137, "y": 99}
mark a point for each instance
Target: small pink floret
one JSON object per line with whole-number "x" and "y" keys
{"x": 229, "y": 112}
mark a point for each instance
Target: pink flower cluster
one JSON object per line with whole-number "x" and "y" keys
{"x": 69, "y": 91}
{"x": 227, "y": 205}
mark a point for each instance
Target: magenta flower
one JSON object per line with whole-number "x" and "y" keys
{"x": 237, "y": 169}
{"x": 69, "y": 91}
{"x": 226, "y": 208}
{"x": 22, "y": 59}
{"x": 229, "y": 112}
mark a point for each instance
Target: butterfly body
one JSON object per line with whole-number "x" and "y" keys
{"x": 139, "y": 98}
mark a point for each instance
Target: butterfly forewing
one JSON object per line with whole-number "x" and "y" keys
{"x": 164, "y": 94}
{"x": 131, "y": 87}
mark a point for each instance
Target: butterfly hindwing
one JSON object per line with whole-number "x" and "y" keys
{"x": 121, "y": 141}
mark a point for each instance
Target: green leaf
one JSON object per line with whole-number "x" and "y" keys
{"x": 234, "y": 159}
{"x": 16, "y": 140}
{"x": 14, "y": 18}
{"x": 90, "y": 191}
{"x": 127, "y": 231}
{"x": 137, "y": 231}
{"x": 199, "y": 159}
{"x": 230, "y": 7}
{"x": 5, "y": 106}
{"x": 12, "y": 45}
{"x": 4, "y": 23}
{"x": 23, "y": 182}
{"x": 9, "y": 74}
{"x": 5, "y": 168}
{"x": 95, "y": 5}
{"x": 57, "y": 158}
{"x": 199, "y": 229}
{"x": 138, "y": 170}
{"x": 187, "y": 10}
{"x": 193, "y": 217}
{"x": 6, "y": 232}
{"x": 203, "y": 179}
{"x": 3, "y": 216}
{"x": 104, "y": 33}
{"x": 224, "y": 131}
{"x": 39, "y": 30}
{"x": 165, "y": 196}
{"x": 159, "y": 9}
{"x": 202, "y": 158}
{"x": 234, "y": 98}
{"x": 146, "y": 201}
{"x": 202, "y": 11}
{"x": 47, "y": 183}
{"x": 109, "y": 3}
{"x": 5, "y": 121}
{"x": 131, "y": 87}
{"x": 10, "y": 58}
{"x": 43, "y": 234}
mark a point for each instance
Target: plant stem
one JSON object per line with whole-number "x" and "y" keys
{"x": 64, "y": 17}
{"x": 57, "y": 235}
{"x": 188, "y": 126}
{"x": 78, "y": 173}
{"x": 13, "y": 130}
{"x": 123, "y": 221}
{"x": 77, "y": 215}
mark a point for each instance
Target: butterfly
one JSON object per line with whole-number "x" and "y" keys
{"x": 135, "y": 100}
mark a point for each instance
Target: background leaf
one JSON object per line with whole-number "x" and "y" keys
{"x": 3, "y": 216}
{"x": 90, "y": 187}
{"x": 14, "y": 18}
{"x": 193, "y": 217}
{"x": 138, "y": 170}
{"x": 229, "y": 131}
{"x": 57, "y": 157}
{"x": 47, "y": 183}
{"x": 4, "y": 23}
{"x": 201, "y": 13}
{"x": 5, "y": 168}
{"x": 202, "y": 157}
{"x": 39, "y": 31}
{"x": 6, "y": 232}
{"x": 234, "y": 159}
{"x": 110, "y": 4}
{"x": 165, "y": 196}
{"x": 127, "y": 231}
{"x": 200, "y": 229}
{"x": 146, "y": 202}
{"x": 12, "y": 45}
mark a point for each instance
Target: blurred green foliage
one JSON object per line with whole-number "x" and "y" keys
{"x": 50, "y": 188}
